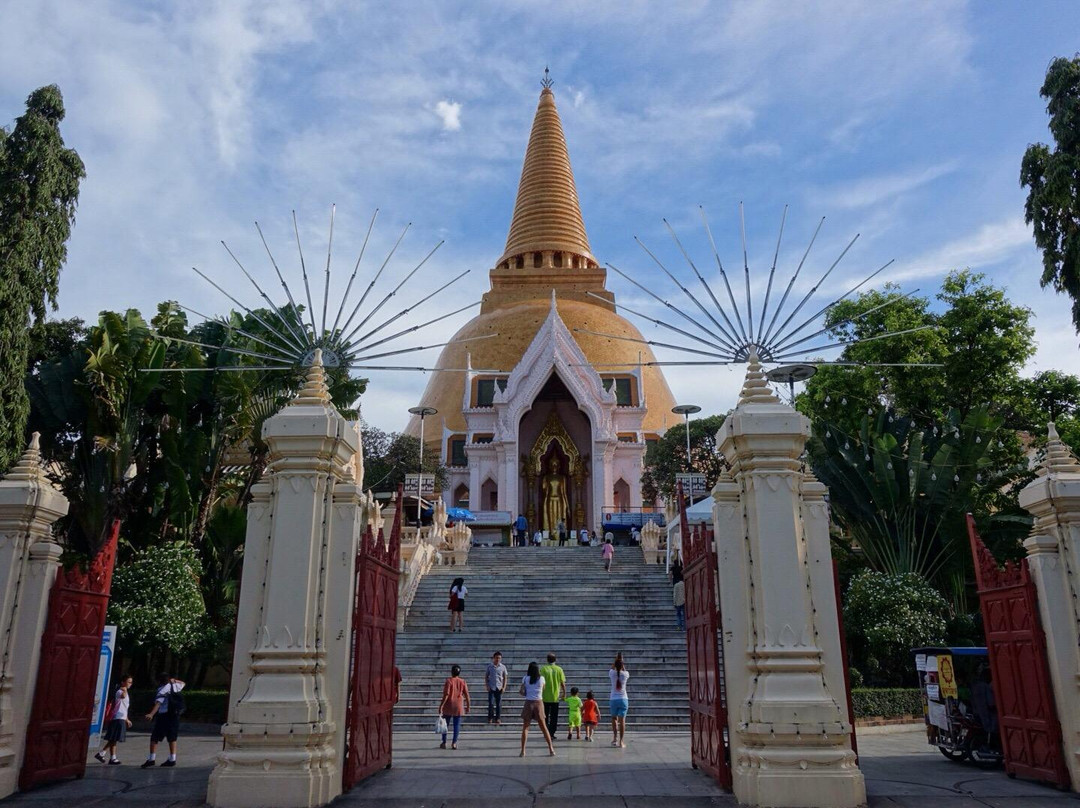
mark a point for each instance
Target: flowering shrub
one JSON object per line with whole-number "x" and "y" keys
{"x": 885, "y": 616}
{"x": 156, "y": 601}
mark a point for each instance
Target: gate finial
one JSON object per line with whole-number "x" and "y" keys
{"x": 1058, "y": 457}
{"x": 756, "y": 388}
{"x": 29, "y": 465}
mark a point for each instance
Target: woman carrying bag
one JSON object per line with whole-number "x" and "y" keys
{"x": 454, "y": 705}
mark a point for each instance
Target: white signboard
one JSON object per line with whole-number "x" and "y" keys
{"x": 101, "y": 693}
{"x": 427, "y": 485}
{"x": 693, "y": 485}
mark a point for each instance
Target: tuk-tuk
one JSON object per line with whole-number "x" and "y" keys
{"x": 958, "y": 703}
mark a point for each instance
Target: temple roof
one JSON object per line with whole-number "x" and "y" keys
{"x": 547, "y": 215}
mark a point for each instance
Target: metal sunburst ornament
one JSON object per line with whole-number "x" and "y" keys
{"x": 355, "y": 336}
{"x": 776, "y": 337}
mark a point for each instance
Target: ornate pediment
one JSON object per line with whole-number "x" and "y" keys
{"x": 553, "y": 431}
{"x": 554, "y": 350}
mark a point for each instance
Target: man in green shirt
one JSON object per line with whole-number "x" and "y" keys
{"x": 554, "y": 690}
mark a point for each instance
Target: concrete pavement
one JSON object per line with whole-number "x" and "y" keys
{"x": 485, "y": 772}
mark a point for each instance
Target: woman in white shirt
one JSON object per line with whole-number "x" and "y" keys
{"x": 620, "y": 701}
{"x": 458, "y": 591}
{"x": 116, "y": 731}
{"x": 532, "y": 688}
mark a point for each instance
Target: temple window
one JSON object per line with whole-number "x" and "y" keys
{"x": 538, "y": 260}
{"x": 557, "y": 259}
{"x": 461, "y": 496}
{"x": 623, "y": 394}
{"x": 485, "y": 391}
{"x": 483, "y": 438}
{"x": 520, "y": 262}
{"x": 627, "y": 437}
{"x": 457, "y": 452}
{"x": 576, "y": 263}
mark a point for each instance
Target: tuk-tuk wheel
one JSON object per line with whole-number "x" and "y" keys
{"x": 952, "y": 755}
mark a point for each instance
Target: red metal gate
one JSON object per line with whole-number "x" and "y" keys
{"x": 1030, "y": 733}
{"x": 58, "y": 734}
{"x": 709, "y": 743}
{"x": 370, "y": 715}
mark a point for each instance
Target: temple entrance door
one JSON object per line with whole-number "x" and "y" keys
{"x": 555, "y": 430}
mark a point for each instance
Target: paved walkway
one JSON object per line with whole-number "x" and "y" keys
{"x": 901, "y": 772}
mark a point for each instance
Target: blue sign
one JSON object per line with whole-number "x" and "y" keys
{"x": 102, "y": 694}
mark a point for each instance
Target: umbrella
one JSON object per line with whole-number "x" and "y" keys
{"x": 460, "y": 514}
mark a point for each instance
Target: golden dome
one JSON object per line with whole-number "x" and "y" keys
{"x": 516, "y": 325}
{"x": 547, "y": 215}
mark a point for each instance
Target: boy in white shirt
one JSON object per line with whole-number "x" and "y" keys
{"x": 166, "y": 718}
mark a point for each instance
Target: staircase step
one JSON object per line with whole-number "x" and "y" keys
{"x": 527, "y": 602}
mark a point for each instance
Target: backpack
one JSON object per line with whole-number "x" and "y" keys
{"x": 176, "y": 701}
{"x": 110, "y": 711}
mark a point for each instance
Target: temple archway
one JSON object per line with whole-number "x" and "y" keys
{"x": 555, "y": 430}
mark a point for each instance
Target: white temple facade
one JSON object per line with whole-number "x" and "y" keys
{"x": 552, "y": 404}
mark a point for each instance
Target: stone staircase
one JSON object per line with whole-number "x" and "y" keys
{"x": 528, "y": 601}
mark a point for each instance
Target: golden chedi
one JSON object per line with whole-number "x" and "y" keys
{"x": 564, "y": 405}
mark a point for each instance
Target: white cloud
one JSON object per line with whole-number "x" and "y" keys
{"x": 871, "y": 191}
{"x": 988, "y": 246}
{"x": 450, "y": 114}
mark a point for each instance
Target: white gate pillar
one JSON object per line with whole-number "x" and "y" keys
{"x": 1053, "y": 548}
{"x": 29, "y": 561}
{"x": 790, "y": 735}
{"x": 283, "y": 740}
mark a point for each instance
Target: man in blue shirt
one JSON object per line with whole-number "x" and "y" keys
{"x": 522, "y": 527}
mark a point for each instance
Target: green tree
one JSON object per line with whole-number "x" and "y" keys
{"x": 980, "y": 339}
{"x": 885, "y": 616}
{"x": 1052, "y": 178}
{"x": 39, "y": 189}
{"x": 156, "y": 603}
{"x": 667, "y": 457}
{"x": 389, "y": 456}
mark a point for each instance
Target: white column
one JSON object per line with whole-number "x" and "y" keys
{"x": 1053, "y": 550}
{"x": 29, "y": 561}
{"x": 787, "y": 712}
{"x": 283, "y": 738}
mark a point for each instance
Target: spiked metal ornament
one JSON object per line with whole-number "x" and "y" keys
{"x": 351, "y": 342}
{"x": 735, "y": 338}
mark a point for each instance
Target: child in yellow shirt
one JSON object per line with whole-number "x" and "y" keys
{"x": 573, "y": 705}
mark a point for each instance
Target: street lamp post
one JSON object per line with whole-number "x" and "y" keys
{"x": 423, "y": 412}
{"x": 686, "y": 410}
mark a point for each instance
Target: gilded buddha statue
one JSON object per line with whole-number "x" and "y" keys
{"x": 556, "y": 506}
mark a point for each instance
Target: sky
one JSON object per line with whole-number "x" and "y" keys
{"x": 902, "y": 122}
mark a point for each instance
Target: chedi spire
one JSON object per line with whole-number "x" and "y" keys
{"x": 547, "y": 226}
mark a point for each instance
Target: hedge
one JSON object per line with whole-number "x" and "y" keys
{"x": 886, "y": 702}
{"x": 200, "y": 706}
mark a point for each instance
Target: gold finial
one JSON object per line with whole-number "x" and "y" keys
{"x": 547, "y": 81}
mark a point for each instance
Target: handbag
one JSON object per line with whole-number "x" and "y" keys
{"x": 440, "y": 725}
